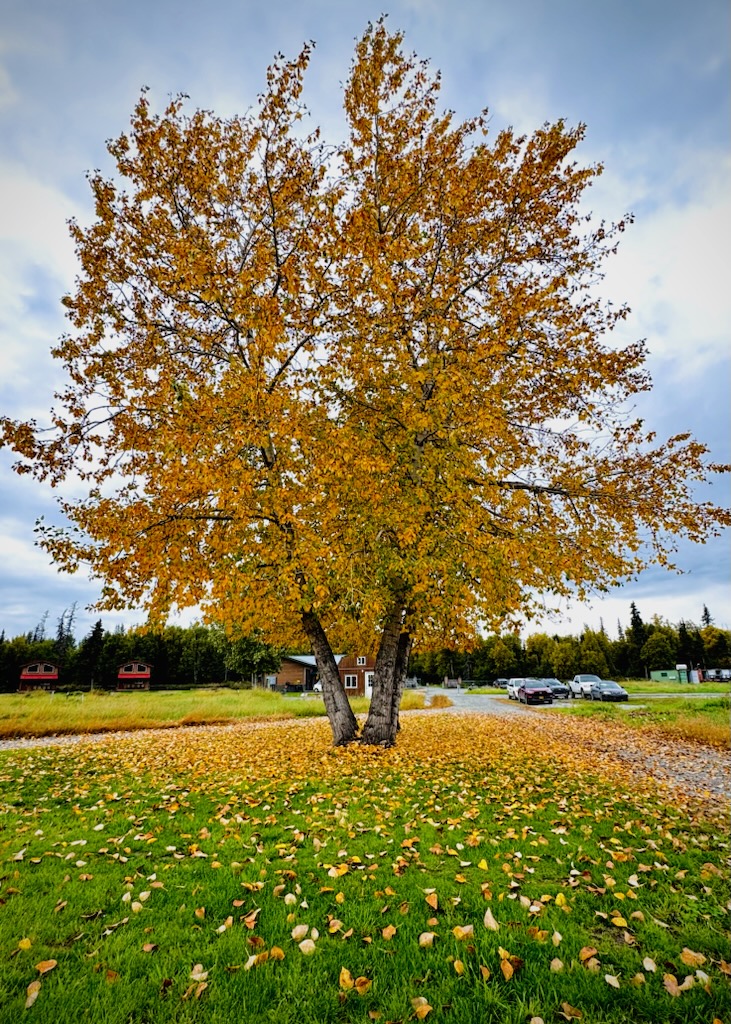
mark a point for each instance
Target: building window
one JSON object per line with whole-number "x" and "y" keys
{"x": 360, "y": 660}
{"x": 351, "y": 682}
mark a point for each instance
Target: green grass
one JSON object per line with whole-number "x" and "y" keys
{"x": 702, "y": 720}
{"x": 39, "y": 714}
{"x": 238, "y": 835}
{"x": 653, "y": 686}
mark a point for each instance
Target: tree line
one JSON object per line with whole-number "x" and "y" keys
{"x": 203, "y": 655}
{"x": 180, "y": 656}
{"x": 639, "y": 648}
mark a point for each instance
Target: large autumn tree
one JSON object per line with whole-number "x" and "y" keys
{"x": 364, "y": 393}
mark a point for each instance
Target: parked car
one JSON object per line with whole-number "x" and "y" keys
{"x": 558, "y": 688}
{"x": 580, "y": 685}
{"x": 502, "y": 683}
{"x": 535, "y": 691}
{"x": 607, "y": 689}
{"x": 512, "y": 687}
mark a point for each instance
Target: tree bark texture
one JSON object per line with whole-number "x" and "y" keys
{"x": 392, "y": 659}
{"x": 343, "y": 722}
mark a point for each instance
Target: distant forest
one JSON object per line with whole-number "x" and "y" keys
{"x": 205, "y": 655}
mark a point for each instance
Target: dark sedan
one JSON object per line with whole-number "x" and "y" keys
{"x": 534, "y": 691}
{"x": 607, "y": 689}
{"x": 558, "y": 688}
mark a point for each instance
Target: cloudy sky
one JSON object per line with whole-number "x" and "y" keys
{"x": 650, "y": 78}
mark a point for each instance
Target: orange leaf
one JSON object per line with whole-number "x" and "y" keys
{"x": 362, "y": 985}
{"x": 45, "y": 966}
{"x": 692, "y": 959}
{"x": 507, "y": 968}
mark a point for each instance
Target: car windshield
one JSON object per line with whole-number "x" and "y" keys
{"x": 532, "y": 684}
{"x": 609, "y": 686}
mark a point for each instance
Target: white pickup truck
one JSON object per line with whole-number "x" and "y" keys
{"x": 580, "y": 685}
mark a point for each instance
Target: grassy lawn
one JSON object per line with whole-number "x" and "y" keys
{"x": 491, "y": 870}
{"x": 38, "y": 714}
{"x": 705, "y": 720}
{"x": 653, "y": 686}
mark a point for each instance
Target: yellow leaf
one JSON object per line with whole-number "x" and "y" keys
{"x": 507, "y": 968}
{"x": 433, "y": 900}
{"x": 459, "y": 967}
{"x": 25, "y": 944}
{"x": 362, "y": 985}
{"x": 421, "y": 1007}
{"x": 45, "y": 966}
{"x": 388, "y": 932}
{"x": 31, "y": 993}
{"x": 485, "y": 972}
{"x": 276, "y": 953}
{"x": 619, "y": 922}
{"x": 463, "y": 932}
{"x": 346, "y": 979}
{"x": 586, "y": 953}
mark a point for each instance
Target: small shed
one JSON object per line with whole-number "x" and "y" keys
{"x": 134, "y": 675}
{"x": 38, "y": 675}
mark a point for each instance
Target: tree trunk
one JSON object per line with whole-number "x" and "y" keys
{"x": 339, "y": 712}
{"x": 390, "y": 671}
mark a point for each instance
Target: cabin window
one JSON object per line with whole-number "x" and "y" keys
{"x": 32, "y": 668}
{"x": 360, "y": 660}
{"x": 351, "y": 682}
{"x": 48, "y": 668}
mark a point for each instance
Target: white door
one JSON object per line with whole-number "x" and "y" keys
{"x": 368, "y": 684}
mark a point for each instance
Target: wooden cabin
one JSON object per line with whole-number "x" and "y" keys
{"x": 134, "y": 675}
{"x": 38, "y": 675}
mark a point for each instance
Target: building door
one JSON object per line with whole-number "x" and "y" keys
{"x": 369, "y": 683}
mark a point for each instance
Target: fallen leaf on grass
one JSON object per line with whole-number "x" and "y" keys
{"x": 649, "y": 964}
{"x": 671, "y": 984}
{"x": 45, "y": 966}
{"x": 31, "y": 993}
{"x": 307, "y": 946}
{"x": 421, "y": 1007}
{"x": 692, "y": 959}
{"x": 427, "y": 939}
{"x": 459, "y": 967}
{"x": 612, "y": 980}
{"x": 346, "y": 979}
{"x": 362, "y": 985}
{"x": 25, "y": 944}
{"x": 388, "y": 932}
{"x": 490, "y": 921}
{"x": 556, "y": 964}
{"x": 586, "y": 953}
{"x": 198, "y": 973}
{"x": 570, "y": 1012}
{"x": 462, "y": 932}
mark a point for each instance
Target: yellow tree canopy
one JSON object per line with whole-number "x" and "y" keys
{"x": 369, "y": 383}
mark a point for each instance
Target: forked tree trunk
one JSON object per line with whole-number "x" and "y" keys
{"x": 339, "y": 712}
{"x": 389, "y": 673}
